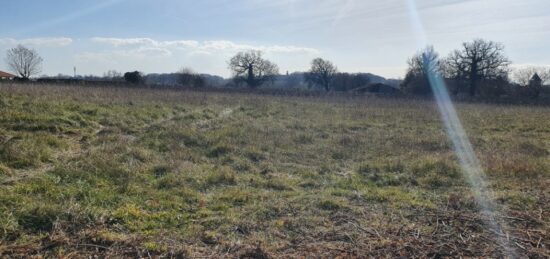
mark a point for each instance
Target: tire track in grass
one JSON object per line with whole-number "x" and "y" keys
{"x": 222, "y": 115}
{"x": 76, "y": 147}
{"x": 73, "y": 150}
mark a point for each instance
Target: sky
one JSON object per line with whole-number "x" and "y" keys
{"x": 162, "y": 36}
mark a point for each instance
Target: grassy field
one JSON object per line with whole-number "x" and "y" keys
{"x": 147, "y": 173}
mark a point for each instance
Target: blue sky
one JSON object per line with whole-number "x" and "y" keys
{"x": 358, "y": 35}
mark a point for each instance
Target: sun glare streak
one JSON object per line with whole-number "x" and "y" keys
{"x": 469, "y": 162}
{"x": 471, "y": 167}
{"x": 416, "y": 23}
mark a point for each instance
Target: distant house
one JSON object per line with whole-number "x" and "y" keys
{"x": 6, "y": 76}
{"x": 378, "y": 88}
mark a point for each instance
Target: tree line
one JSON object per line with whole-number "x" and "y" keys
{"x": 477, "y": 68}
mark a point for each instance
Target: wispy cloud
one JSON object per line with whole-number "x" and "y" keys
{"x": 206, "y": 47}
{"x": 119, "y": 42}
{"x": 152, "y": 55}
{"x": 40, "y": 42}
{"x": 141, "y": 52}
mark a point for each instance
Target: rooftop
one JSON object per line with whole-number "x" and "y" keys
{"x": 6, "y": 74}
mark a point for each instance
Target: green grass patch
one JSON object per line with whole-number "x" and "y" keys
{"x": 157, "y": 172}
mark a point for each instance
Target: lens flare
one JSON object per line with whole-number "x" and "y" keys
{"x": 469, "y": 162}
{"x": 471, "y": 167}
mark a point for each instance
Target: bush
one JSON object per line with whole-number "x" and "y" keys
{"x": 188, "y": 79}
{"x": 133, "y": 77}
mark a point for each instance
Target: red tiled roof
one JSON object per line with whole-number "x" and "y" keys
{"x": 6, "y": 74}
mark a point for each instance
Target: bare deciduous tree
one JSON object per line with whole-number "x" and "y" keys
{"x": 23, "y": 61}
{"x": 322, "y": 72}
{"x": 524, "y": 75}
{"x": 476, "y": 61}
{"x": 112, "y": 75}
{"x": 420, "y": 65}
{"x": 424, "y": 62}
{"x": 252, "y": 68}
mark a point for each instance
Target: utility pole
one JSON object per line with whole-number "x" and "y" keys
{"x": 74, "y": 69}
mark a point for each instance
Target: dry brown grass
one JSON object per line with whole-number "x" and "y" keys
{"x": 120, "y": 172}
